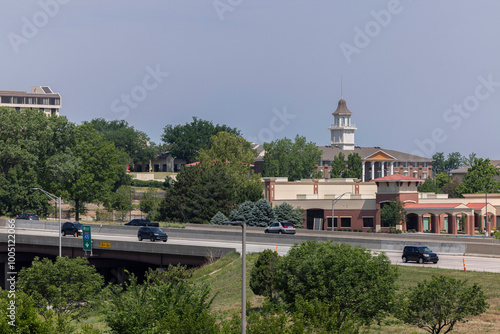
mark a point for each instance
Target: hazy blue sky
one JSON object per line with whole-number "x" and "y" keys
{"x": 418, "y": 76}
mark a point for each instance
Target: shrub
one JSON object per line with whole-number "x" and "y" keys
{"x": 218, "y": 219}
{"x": 369, "y": 230}
{"x": 347, "y": 277}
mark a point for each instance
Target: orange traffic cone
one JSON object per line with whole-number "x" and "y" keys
{"x": 276, "y": 248}
{"x": 465, "y": 269}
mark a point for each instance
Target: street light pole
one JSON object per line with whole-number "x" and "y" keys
{"x": 486, "y": 211}
{"x": 243, "y": 274}
{"x": 54, "y": 197}
{"x": 335, "y": 200}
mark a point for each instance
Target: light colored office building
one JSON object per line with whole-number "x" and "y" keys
{"x": 39, "y": 97}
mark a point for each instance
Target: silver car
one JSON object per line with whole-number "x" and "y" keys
{"x": 281, "y": 228}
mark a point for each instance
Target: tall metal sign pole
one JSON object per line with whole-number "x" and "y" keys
{"x": 87, "y": 239}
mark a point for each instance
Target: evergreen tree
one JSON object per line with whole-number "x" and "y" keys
{"x": 243, "y": 212}
{"x": 286, "y": 212}
{"x": 218, "y": 219}
{"x": 261, "y": 214}
{"x": 263, "y": 273}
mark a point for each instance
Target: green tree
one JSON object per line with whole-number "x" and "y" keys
{"x": 322, "y": 317}
{"x": 262, "y": 214}
{"x": 429, "y": 186}
{"x": 228, "y": 148}
{"x": 294, "y": 160}
{"x": 354, "y": 166}
{"x": 97, "y": 169}
{"x": 32, "y": 147}
{"x": 243, "y": 212}
{"x": 218, "y": 219}
{"x": 62, "y": 287}
{"x": 121, "y": 201}
{"x": 24, "y": 319}
{"x": 339, "y": 167}
{"x": 440, "y": 164}
{"x": 185, "y": 141}
{"x": 454, "y": 161}
{"x": 393, "y": 213}
{"x": 437, "y": 305}
{"x": 161, "y": 306}
{"x": 469, "y": 161}
{"x": 480, "y": 176}
{"x": 347, "y": 277}
{"x": 263, "y": 274}
{"x": 198, "y": 194}
{"x": 286, "y": 212}
{"x": 451, "y": 187}
{"x": 150, "y": 203}
{"x": 235, "y": 155}
{"x": 127, "y": 139}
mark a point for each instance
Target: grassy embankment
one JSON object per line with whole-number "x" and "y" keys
{"x": 224, "y": 277}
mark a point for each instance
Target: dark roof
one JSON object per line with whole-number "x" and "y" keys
{"x": 329, "y": 152}
{"x": 464, "y": 170}
{"x": 342, "y": 109}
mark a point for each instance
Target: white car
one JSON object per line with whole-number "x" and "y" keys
{"x": 281, "y": 228}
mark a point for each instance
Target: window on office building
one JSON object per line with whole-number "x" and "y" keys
{"x": 424, "y": 175}
{"x": 415, "y": 174}
{"x": 368, "y": 222}
{"x": 395, "y": 164}
{"x": 405, "y": 164}
{"x": 6, "y": 99}
{"x": 405, "y": 173}
{"x": 329, "y": 222}
{"x": 424, "y": 164}
{"x": 345, "y": 222}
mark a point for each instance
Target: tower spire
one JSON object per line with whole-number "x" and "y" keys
{"x": 341, "y": 89}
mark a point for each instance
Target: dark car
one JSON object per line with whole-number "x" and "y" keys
{"x": 27, "y": 216}
{"x": 419, "y": 254}
{"x": 70, "y": 228}
{"x": 281, "y": 228}
{"x": 141, "y": 222}
{"x": 151, "y": 233}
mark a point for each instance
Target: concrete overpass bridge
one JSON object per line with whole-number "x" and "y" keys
{"x": 199, "y": 244}
{"x": 111, "y": 257}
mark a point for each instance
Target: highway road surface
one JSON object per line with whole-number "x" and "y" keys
{"x": 446, "y": 261}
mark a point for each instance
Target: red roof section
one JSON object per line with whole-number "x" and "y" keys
{"x": 476, "y": 205}
{"x": 431, "y": 205}
{"x": 397, "y": 178}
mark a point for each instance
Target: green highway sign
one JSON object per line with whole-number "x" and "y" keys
{"x": 87, "y": 240}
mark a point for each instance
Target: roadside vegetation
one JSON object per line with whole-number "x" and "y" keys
{"x": 325, "y": 276}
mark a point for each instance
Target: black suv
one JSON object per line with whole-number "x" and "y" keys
{"x": 70, "y": 228}
{"x": 27, "y": 216}
{"x": 141, "y": 222}
{"x": 151, "y": 233}
{"x": 419, "y": 254}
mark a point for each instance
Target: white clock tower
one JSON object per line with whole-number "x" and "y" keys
{"x": 342, "y": 130}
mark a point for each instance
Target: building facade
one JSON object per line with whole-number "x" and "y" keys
{"x": 376, "y": 162}
{"x": 356, "y": 205}
{"x": 39, "y": 97}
